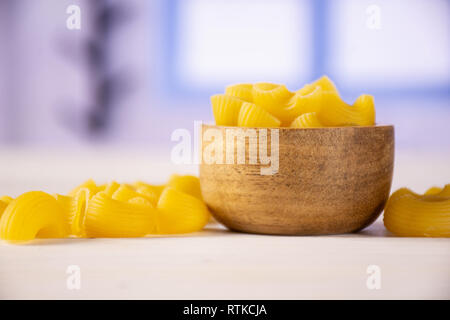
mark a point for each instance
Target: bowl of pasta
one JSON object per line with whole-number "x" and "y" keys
{"x": 323, "y": 168}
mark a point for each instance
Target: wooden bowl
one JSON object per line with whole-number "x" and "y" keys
{"x": 329, "y": 180}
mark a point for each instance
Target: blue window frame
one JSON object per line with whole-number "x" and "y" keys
{"x": 322, "y": 30}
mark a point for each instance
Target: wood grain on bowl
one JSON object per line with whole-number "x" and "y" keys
{"x": 329, "y": 181}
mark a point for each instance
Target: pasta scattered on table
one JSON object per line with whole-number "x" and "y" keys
{"x": 414, "y": 215}
{"x": 110, "y": 211}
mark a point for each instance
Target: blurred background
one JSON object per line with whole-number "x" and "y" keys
{"x": 139, "y": 69}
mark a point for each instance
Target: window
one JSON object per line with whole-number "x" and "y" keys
{"x": 408, "y": 49}
{"x": 217, "y": 42}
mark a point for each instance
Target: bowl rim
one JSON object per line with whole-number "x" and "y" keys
{"x": 316, "y": 128}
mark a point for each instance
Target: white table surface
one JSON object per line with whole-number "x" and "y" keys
{"x": 215, "y": 263}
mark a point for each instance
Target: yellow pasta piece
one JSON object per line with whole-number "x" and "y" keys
{"x": 151, "y": 192}
{"x": 442, "y": 192}
{"x": 252, "y": 115}
{"x": 90, "y": 185}
{"x": 323, "y": 83}
{"x": 106, "y": 217}
{"x": 412, "y": 215}
{"x": 243, "y": 91}
{"x": 125, "y": 193}
{"x": 274, "y": 99}
{"x": 316, "y": 101}
{"x": 4, "y": 202}
{"x": 323, "y": 98}
{"x": 306, "y": 103}
{"x": 3, "y": 206}
{"x": 6, "y": 199}
{"x": 187, "y": 184}
{"x": 335, "y": 112}
{"x": 69, "y": 207}
{"x": 445, "y": 192}
{"x": 313, "y": 97}
{"x": 180, "y": 212}
{"x": 74, "y": 208}
{"x": 226, "y": 109}
{"x": 366, "y": 108}
{"x": 82, "y": 201}
{"x": 270, "y": 95}
{"x": 307, "y": 120}
{"x": 326, "y": 84}
{"x": 111, "y": 188}
{"x": 433, "y": 190}
{"x": 33, "y": 215}
{"x": 155, "y": 188}
{"x": 141, "y": 201}
{"x": 401, "y": 192}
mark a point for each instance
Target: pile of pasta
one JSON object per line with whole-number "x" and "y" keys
{"x": 410, "y": 214}
{"x": 107, "y": 211}
{"x": 317, "y": 104}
